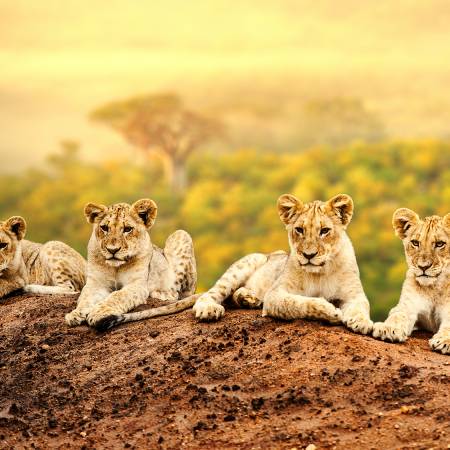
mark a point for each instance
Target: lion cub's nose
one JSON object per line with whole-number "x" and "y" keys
{"x": 424, "y": 267}
{"x": 113, "y": 250}
{"x": 309, "y": 255}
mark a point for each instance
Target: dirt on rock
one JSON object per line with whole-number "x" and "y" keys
{"x": 245, "y": 382}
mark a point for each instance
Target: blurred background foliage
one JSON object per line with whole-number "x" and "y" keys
{"x": 229, "y": 206}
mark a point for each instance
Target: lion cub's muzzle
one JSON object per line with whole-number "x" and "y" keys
{"x": 311, "y": 262}
{"x": 424, "y": 271}
{"x": 114, "y": 255}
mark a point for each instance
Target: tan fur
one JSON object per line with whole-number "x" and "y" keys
{"x": 50, "y": 268}
{"x": 425, "y": 297}
{"x": 292, "y": 285}
{"x": 125, "y": 268}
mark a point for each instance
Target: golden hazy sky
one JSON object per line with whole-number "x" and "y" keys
{"x": 59, "y": 59}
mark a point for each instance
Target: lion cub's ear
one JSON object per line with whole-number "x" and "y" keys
{"x": 146, "y": 209}
{"x": 288, "y": 207}
{"x": 342, "y": 206}
{"x": 16, "y": 225}
{"x": 93, "y": 212}
{"x": 402, "y": 221}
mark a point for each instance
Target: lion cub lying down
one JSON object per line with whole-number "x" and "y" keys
{"x": 53, "y": 267}
{"x": 125, "y": 268}
{"x": 425, "y": 297}
{"x": 321, "y": 268}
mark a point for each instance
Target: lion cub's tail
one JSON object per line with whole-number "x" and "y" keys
{"x": 172, "y": 308}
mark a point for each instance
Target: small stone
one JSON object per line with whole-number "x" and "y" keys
{"x": 13, "y": 409}
{"x": 396, "y": 426}
{"x": 311, "y": 447}
{"x": 52, "y": 423}
{"x": 138, "y": 377}
{"x": 45, "y": 347}
{"x": 83, "y": 434}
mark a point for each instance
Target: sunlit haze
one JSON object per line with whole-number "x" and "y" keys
{"x": 60, "y": 60}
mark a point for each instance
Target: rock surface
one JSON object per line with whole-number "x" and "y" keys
{"x": 245, "y": 382}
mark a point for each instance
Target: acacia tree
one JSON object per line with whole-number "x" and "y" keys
{"x": 161, "y": 124}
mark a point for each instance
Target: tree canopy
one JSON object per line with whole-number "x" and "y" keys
{"x": 162, "y": 124}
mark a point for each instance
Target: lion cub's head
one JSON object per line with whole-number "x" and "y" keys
{"x": 121, "y": 230}
{"x": 11, "y": 232}
{"x": 426, "y": 245}
{"x": 315, "y": 229}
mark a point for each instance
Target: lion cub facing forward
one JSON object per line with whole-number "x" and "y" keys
{"x": 320, "y": 268}
{"x": 53, "y": 267}
{"x": 425, "y": 297}
{"x": 125, "y": 268}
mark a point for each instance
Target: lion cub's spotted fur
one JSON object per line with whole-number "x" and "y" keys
{"x": 320, "y": 269}
{"x": 50, "y": 268}
{"x": 125, "y": 268}
{"x": 425, "y": 297}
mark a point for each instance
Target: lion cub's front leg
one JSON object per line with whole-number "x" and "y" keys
{"x": 284, "y": 305}
{"x": 401, "y": 320}
{"x": 355, "y": 306}
{"x": 209, "y": 305}
{"x": 440, "y": 342}
{"x": 396, "y": 328}
{"x": 90, "y": 295}
{"x": 356, "y": 315}
{"x": 119, "y": 302}
{"x": 10, "y": 285}
{"x": 207, "y": 308}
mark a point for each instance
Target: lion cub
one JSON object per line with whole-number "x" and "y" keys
{"x": 321, "y": 268}
{"x": 53, "y": 267}
{"x": 425, "y": 297}
{"x": 125, "y": 268}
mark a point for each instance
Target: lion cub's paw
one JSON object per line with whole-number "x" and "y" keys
{"x": 246, "y": 299}
{"x": 97, "y": 314}
{"x": 326, "y": 311}
{"x": 440, "y": 342}
{"x": 359, "y": 323}
{"x": 76, "y": 317}
{"x": 208, "y": 309}
{"x": 387, "y": 332}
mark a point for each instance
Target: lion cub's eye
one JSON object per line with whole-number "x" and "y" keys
{"x": 3, "y": 245}
{"x": 415, "y": 243}
{"x": 104, "y": 228}
{"x": 324, "y": 231}
{"x": 299, "y": 230}
{"x": 439, "y": 244}
{"x": 127, "y": 229}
